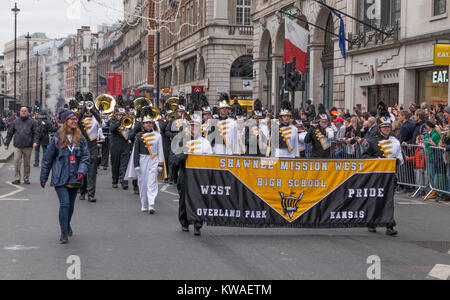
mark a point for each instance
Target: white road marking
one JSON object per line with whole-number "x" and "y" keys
{"x": 19, "y": 189}
{"x": 7, "y": 199}
{"x": 441, "y": 272}
{"x": 411, "y": 203}
{"x": 19, "y": 248}
{"x": 163, "y": 189}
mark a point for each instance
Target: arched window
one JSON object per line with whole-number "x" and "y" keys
{"x": 242, "y": 67}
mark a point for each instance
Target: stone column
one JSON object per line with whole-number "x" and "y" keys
{"x": 316, "y": 74}
{"x": 277, "y": 62}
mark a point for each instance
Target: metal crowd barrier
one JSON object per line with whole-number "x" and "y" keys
{"x": 425, "y": 168}
{"x": 340, "y": 150}
{"x": 413, "y": 172}
{"x": 438, "y": 170}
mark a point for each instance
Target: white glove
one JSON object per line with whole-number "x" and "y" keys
{"x": 160, "y": 169}
{"x": 138, "y": 170}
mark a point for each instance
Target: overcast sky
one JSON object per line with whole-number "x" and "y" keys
{"x": 56, "y": 18}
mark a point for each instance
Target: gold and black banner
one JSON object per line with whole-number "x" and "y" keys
{"x": 269, "y": 192}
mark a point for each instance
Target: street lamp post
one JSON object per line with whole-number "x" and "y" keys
{"x": 15, "y": 11}
{"x": 37, "y": 76}
{"x": 28, "y": 37}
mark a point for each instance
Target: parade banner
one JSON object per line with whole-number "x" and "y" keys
{"x": 267, "y": 192}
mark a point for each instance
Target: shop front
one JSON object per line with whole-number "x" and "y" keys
{"x": 433, "y": 86}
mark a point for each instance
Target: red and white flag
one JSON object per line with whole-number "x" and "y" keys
{"x": 295, "y": 44}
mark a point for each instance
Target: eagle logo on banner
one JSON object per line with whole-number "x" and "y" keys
{"x": 290, "y": 204}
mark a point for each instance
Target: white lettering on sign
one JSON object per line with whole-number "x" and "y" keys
{"x": 440, "y": 76}
{"x": 443, "y": 54}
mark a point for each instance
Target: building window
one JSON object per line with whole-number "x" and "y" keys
{"x": 84, "y": 70}
{"x": 242, "y": 67}
{"x": 190, "y": 70}
{"x": 382, "y": 13}
{"x": 433, "y": 86}
{"x": 440, "y": 7}
{"x": 243, "y": 12}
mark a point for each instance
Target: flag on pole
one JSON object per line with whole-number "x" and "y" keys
{"x": 342, "y": 44}
{"x": 295, "y": 44}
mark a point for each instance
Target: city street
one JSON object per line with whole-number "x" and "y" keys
{"x": 115, "y": 240}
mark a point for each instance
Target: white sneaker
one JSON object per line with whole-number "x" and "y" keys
{"x": 143, "y": 209}
{"x": 151, "y": 210}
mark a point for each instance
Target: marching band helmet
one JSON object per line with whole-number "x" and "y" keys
{"x": 224, "y": 101}
{"x": 206, "y": 109}
{"x": 148, "y": 114}
{"x": 322, "y": 116}
{"x": 120, "y": 105}
{"x": 384, "y": 119}
{"x": 257, "y": 112}
{"x": 286, "y": 109}
{"x": 181, "y": 104}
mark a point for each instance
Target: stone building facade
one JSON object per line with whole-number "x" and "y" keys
{"x": 399, "y": 69}
{"x": 325, "y": 65}
{"x": 206, "y": 45}
{"x": 133, "y": 39}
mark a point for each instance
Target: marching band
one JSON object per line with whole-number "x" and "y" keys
{"x": 145, "y": 144}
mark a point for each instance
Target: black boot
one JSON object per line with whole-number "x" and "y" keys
{"x": 197, "y": 231}
{"x": 82, "y": 197}
{"x": 92, "y": 200}
{"x": 391, "y": 231}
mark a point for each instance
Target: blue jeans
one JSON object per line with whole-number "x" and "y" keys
{"x": 36, "y": 153}
{"x": 67, "y": 203}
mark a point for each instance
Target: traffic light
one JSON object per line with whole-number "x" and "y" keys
{"x": 293, "y": 79}
{"x": 36, "y": 106}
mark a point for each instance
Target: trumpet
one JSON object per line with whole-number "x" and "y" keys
{"x": 127, "y": 122}
{"x": 90, "y": 105}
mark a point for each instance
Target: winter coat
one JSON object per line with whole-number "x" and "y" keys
{"x": 58, "y": 161}
{"x": 25, "y": 132}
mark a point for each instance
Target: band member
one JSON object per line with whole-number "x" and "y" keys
{"x": 301, "y": 138}
{"x": 166, "y": 140}
{"x": 288, "y": 134}
{"x": 206, "y": 115}
{"x": 384, "y": 145}
{"x": 105, "y": 145}
{"x": 120, "y": 149}
{"x": 89, "y": 121}
{"x": 196, "y": 144}
{"x": 148, "y": 160}
{"x": 320, "y": 136}
{"x": 174, "y": 127}
{"x": 223, "y": 133}
{"x": 257, "y": 134}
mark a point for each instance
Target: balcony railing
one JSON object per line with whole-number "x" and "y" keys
{"x": 241, "y": 30}
{"x": 373, "y": 38}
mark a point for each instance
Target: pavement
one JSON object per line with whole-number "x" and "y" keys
{"x": 5, "y": 155}
{"x": 113, "y": 239}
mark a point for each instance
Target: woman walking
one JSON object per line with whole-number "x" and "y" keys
{"x": 68, "y": 157}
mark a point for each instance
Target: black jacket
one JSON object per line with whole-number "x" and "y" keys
{"x": 45, "y": 128}
{"x": 25, "y": 132}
